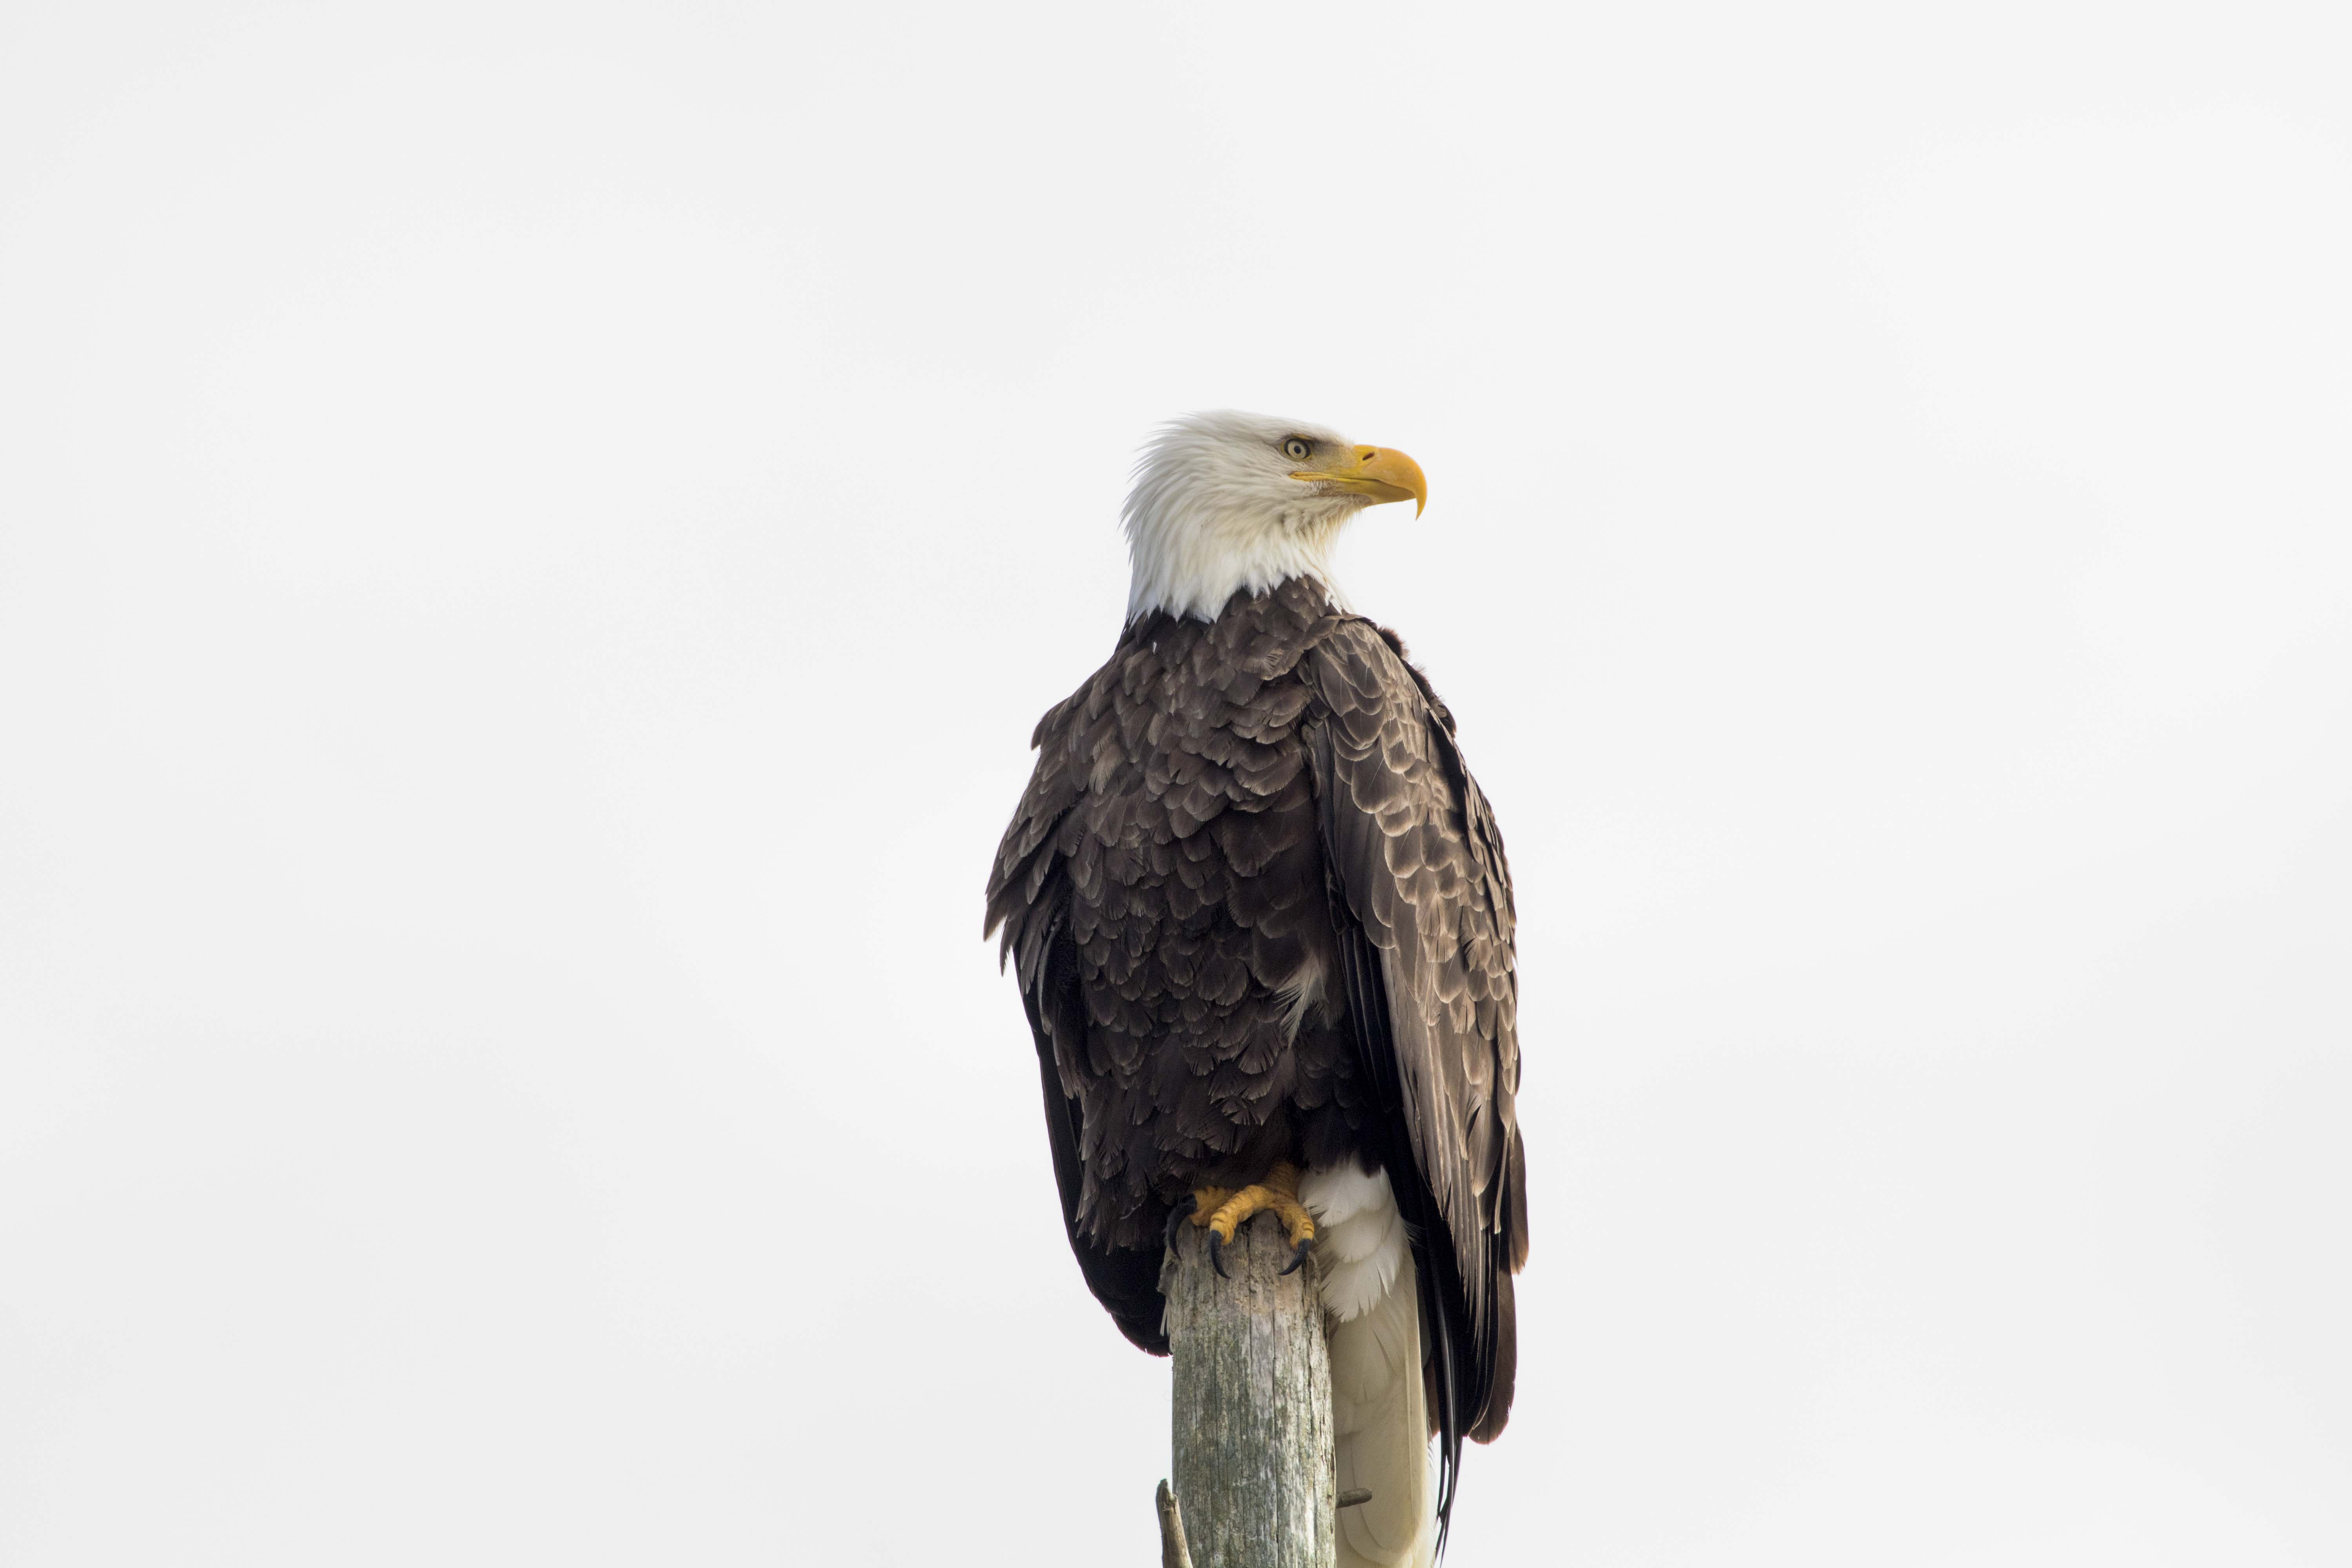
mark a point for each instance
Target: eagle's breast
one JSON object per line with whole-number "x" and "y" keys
{"x": 1197, "y": 904}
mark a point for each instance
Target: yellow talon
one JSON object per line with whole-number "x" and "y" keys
{"x": 1278, "y": 1192}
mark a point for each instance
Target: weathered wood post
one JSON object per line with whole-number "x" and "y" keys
{"x": 1253, "y": 1403}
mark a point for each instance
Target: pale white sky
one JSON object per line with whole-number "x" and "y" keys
{"x": 531, "y": 540}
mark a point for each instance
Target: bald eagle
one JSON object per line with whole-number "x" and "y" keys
{"x": 1263, "y": 928}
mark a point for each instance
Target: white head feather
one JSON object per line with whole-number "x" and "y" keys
{"x": 1217, "y": 507}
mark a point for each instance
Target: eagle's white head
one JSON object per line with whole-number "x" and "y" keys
{"x": 1225, "y": 502}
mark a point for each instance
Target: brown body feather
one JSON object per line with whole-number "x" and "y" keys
{"x": 1224, "y": 811}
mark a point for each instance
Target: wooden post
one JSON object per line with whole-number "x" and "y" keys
{"x": 1253, "y": 1404}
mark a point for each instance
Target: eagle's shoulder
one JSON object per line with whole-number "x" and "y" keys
{"x": 1378, "y": 653}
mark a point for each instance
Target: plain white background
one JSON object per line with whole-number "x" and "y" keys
{"x": 531, "y": 541}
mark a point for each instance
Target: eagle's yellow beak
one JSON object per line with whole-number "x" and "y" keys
{"x": 1382, "y": 473}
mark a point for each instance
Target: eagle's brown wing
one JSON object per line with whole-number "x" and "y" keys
{"x": 1422, "y": 900}
{"x": 1029, "y": 895}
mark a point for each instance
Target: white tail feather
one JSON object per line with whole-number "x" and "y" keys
{"x": 1379, "y": 1416}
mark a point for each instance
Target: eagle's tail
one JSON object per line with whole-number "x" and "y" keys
{"x": 1379, "y": 1413}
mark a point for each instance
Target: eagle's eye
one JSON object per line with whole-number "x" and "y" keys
{"x": 1296, "y": 449}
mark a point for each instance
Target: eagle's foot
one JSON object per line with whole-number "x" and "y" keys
{"x": 1278, "y": 1192}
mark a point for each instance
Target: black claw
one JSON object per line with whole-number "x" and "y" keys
{"x": 1217, "y": 1255}
{"x": 1178, "y": 1215}
{"x": 1298, "y": 1255}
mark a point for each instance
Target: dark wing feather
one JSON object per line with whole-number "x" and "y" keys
{"x": 1029, "y": 896}
{"x": 1422, "y": 900}
{"x": 1124, "y": 1280}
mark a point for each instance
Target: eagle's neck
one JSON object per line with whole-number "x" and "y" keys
{"x": 1189, "y": 559}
